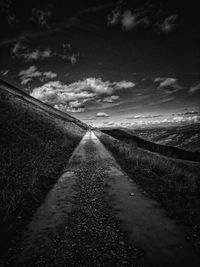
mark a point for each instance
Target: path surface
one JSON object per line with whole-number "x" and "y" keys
{"x": 96, "y": 216}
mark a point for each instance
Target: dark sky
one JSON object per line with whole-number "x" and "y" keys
{"x": 107, "y": 62}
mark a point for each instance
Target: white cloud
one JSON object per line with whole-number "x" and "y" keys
{"x": 4, "y": 72}
{"x": 102, "y": 114}
{"x": 23, "y": 51}
{"x": 73, "y": 58}
{"x": 114, "y": 17}
{"x": 110, "y": 99}
{"x": 124, "y": 84}
{"x": 186, "y": 113}
{"x": 11, "y": 19}
{"x": 158, "y": 79}
{"x": 168, "y": 82}
{"x": 20, "y": 50}
{"x": 193, "y": 119}
{"x": 32, "y": 72}
{"x": 41, "y": 16}
{"x": 177, "y": 120}
{"x": 37, "y": 54}
{"x": 125, "y": 123}
{"x": 108, "y": 123}
{"x": 49, "y": 75}
{"x": 169, "y": 85}
{"x": 168, "y": 24}
{"x": 130, "y": 20}
{"x": 73, "y": 106}
{"x": 127, "y": 19}
{"x": 89, "y": 89}
{"x": 136, "y": 117}
{"x": 194, "y": 89}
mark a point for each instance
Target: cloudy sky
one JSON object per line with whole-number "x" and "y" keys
{"x": 128, "y": 63}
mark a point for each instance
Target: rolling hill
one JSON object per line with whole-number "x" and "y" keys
{"x": 186, "y": 137}
{"x": 36, "y": 142}
{"x": 132, "y": 136}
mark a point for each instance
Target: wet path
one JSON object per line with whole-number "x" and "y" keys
{"x": 96, "y": 216}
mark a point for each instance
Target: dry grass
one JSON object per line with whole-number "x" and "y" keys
{"x": 174, "y": 183}
{"x": 34, "y": 149}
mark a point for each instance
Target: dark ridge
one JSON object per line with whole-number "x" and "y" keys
{"x": 168, "y": 151}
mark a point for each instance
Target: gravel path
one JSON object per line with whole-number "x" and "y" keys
{"x": 91, "y": 235}
{"x": 96, "y": 216}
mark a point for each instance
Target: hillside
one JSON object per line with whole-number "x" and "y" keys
{"x": 185, "y": 137}
{"x": 36, "y": 142}
{"x": 171, "y": 181}
{"x": 129, "y": 136}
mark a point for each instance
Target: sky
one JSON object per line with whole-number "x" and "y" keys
{"x": 109, "y": 63}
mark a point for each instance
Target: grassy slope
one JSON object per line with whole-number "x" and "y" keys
{"x": 35, "y": 147}
{"x": 185, "y": 137}
{"x": 174, "y": 183}
{"x": 169, "y": 151}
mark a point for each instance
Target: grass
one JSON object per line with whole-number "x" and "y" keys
{"x": 169, "y": 151}
{"x": 35, "y": 148}
{"x": 174, "y": 183}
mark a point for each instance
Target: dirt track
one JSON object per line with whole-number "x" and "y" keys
{"x": 96, "y": 216}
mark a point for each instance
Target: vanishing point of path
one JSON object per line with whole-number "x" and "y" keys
{"x": 96, "y": 216}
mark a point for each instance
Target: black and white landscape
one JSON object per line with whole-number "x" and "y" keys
{"x": 99, "y": 133}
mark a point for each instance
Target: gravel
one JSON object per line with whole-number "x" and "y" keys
{"x": 92, "y": 236}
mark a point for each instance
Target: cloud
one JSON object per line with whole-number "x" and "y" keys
{"x": 136, "y": 117}
{"x": 110, "y": 99}
{"x": 11, "y": 19}
{"x": 67, "y": 23}
{"x": 183, "y": 119}
{"x": 169, "y": 85}
{"x": 194, "y": 89}
{"x": 4, "y": 72}
{"x": 130, "y": 20}
{"x": 125, "y": 123}
{"x": 177, "y": 120}
{"x": 158, "y": 79}
{"x": 165, "y": 82}
{"x": 100, "y": 87}
{"x": 73, "y": 58}
{"x": 32, "y": 72}
{"x": 108, "y": 123}
{"x": 168, "y": 24}
{"x": 127, "y": 19}
{"x": 114, "y": 17}
{"x": 49, "y": 74}
{"x": 124, "y": 84}
{"x": 41, "y": 16}
{"x": 102, "y": 114}
{"x": 56, "y": 93}
{"x": 74, "y": 106}
{"x": 187, "y": 113}
{"x": 21, "y": 50}
{"x": 164, "y": 99}
{"x": 66, "y": 46}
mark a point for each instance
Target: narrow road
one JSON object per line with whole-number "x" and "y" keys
{"x": 96, "y": 216}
